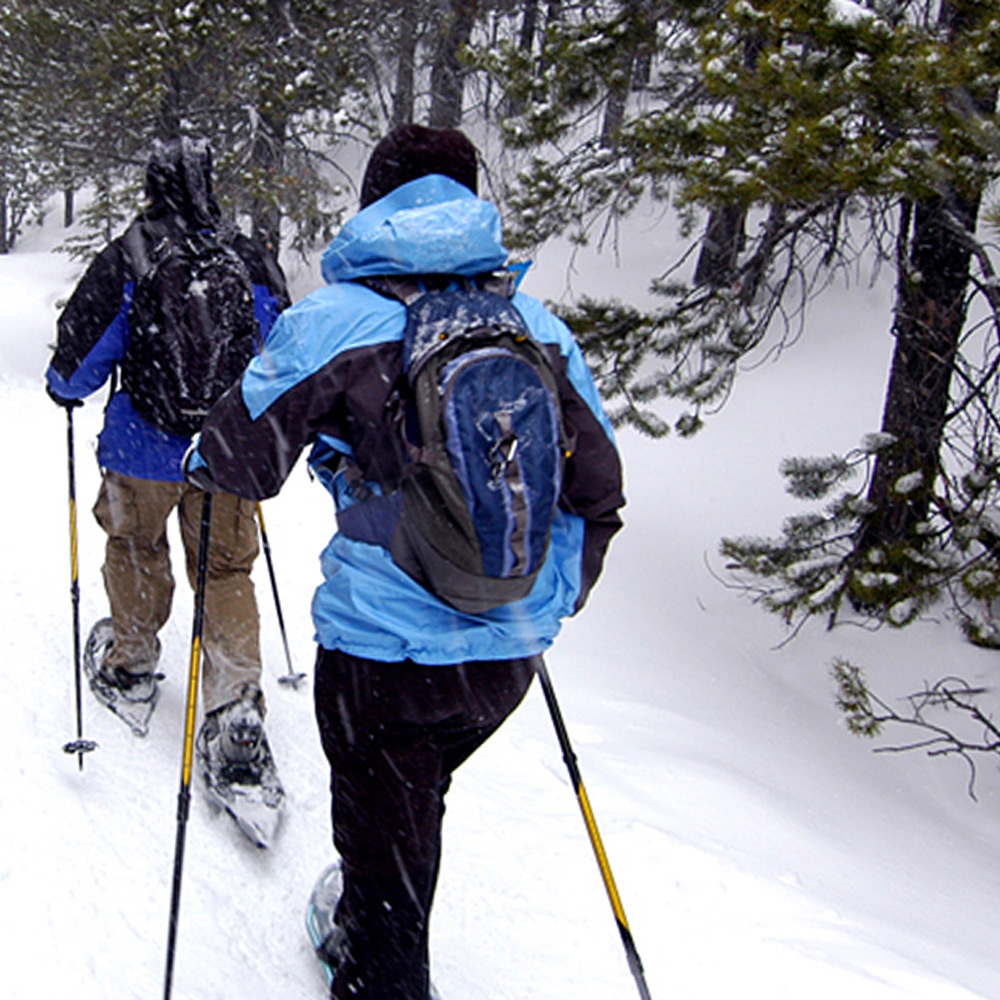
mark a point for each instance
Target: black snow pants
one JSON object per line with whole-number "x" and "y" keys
{"x": 393, "y": 734}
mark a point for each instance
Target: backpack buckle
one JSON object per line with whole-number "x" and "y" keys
{"x": 504, "y": 451}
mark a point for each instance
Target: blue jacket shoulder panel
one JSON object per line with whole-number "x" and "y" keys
{"x": 133, "y": 447}
{"x": 266, "y": 309}
{"x": 308, "y": 335}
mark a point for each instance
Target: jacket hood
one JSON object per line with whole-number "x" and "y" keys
{"x": 179, "y": 182}
{"x": 432, "y": 225}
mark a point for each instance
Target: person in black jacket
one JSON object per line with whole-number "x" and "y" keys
{"x": 142, "y": 480}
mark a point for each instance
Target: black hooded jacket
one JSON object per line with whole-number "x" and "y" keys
{"x": 93, "y": 330}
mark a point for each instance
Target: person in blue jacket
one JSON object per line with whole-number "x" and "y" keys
{"x": 406, "y": 686}
{"x": 142, "y": 477}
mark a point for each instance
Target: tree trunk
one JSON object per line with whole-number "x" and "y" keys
{"x": 725, "y": 234}
{"x": 68, "y": 206}
{"x": 641, "y": 23}
{"x": 553, "y": 15}
{"x": 930, "y": 317}
{"x": 642, "y": 72}
{"x": 512, "y": 107}
{"x": 614, "y": 110}
{"x": 447, "y": 81}
{"x": 4, "y": 248}
{"x": 529, "y": 26}
{"x": 403, "y": 95}
{"x": 724, "y": 238}
{"x": 171, "y": 110}
{"x": 267, "y": 155}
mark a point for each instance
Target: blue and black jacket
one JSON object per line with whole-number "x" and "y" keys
{"x": 93, "y": 329}
{"x": 323, "y": 380}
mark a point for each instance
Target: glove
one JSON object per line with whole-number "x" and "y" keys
{"x": 66, "y": 404}
{"x": 194, "y": 469}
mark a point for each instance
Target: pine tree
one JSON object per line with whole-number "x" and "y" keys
{"x": 811, "y": 136}
{"x": 920, "y": 526}
{"x": 267, "y": 81}
{"x": 24, "y": 173}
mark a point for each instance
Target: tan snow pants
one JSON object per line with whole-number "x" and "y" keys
{"x": 140, "y": 584}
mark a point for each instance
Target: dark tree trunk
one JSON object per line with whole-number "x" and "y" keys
{"x": 529, "y": 26}
{"x": 4, "y": 247}
{"x": 406, "y": 62}
{"x": 642, "y": 73}
{"x": 724, "y": 238}
{"x": 725, "y": 234}
{"x": 553, "y": 15}
{"x": 447, "y": 75}
{"x": 512, "y": 107}
{"x": 171, "y": 110}
{"x": 614, "y": 109}
{"x": 68, "y": 206}
{"x": 930, "y": 317}
{"x": 641, "y": 23}
{"x": 267, "y": 155}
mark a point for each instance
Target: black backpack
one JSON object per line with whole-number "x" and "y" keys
{"x": 479, "y": 417}
{"x": 192, "y": 330}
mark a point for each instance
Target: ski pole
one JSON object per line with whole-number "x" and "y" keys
{"x": 291, "y": 677}
{"x": 634, "y": 962}
{"x": 184, "y": 795}
{"x": 79, "y": 746}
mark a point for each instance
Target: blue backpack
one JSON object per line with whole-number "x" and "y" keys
{"x": 483, "y": 442}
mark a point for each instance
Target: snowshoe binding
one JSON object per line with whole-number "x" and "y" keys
{"x": 238, "y": 769}
{"x": 132, "y": 697}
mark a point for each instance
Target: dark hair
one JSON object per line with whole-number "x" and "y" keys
{"x": 412, "y": 151}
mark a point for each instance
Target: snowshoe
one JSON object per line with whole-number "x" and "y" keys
{"x": 326, "y": 936}
{"x": 239, "y": 772}
{"x": 132, "y": 697}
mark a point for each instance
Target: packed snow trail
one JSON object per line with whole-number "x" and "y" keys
{"x": 752, "y": 839}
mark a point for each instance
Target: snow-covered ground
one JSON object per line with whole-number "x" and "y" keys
{"x": 759, "y": 849}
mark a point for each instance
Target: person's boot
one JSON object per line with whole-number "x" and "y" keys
{"x": 134, "y": 687}
{"x": 232, "y": 740}
{"x": 237, "y": 767}
{"x": 130, "y": 693}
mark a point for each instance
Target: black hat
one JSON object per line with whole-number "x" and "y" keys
{"x": 412, "y": 151}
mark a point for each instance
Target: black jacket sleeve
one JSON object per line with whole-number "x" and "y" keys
{"x": 264, "y": 269}
{"x": 344, "y": 399}
{"x": 91, "y": 309}
{"x": 592, "y": 481}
